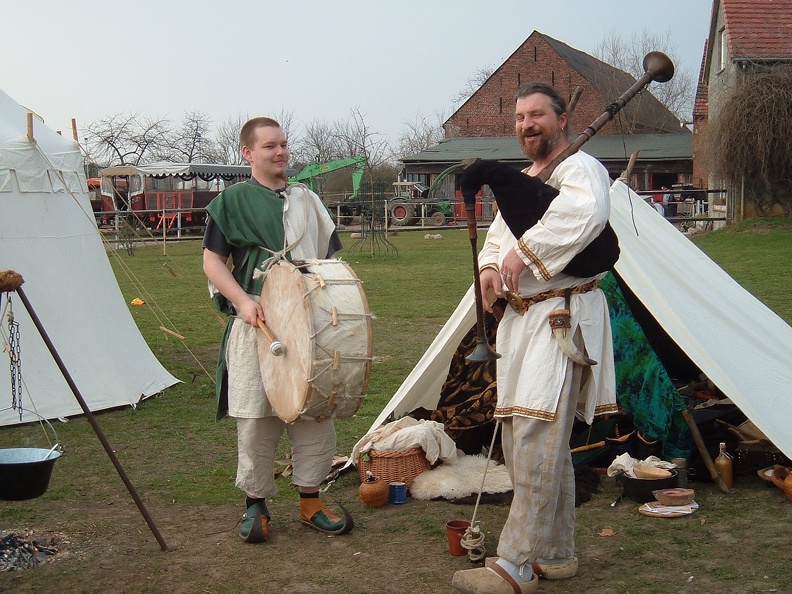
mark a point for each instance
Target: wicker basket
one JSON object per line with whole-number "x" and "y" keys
{"x": 393, "y": 465}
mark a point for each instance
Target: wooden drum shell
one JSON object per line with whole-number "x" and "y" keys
{"x": 318, "y": 310}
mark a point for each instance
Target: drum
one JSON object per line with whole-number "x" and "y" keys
{"x": 317, "y": 309}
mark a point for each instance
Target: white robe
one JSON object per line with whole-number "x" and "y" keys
{"x": 531, "y": 370}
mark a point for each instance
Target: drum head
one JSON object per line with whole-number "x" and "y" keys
{"x": 287, "y": 315}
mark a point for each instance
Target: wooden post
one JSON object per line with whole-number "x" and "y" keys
{"x": 30, "y": 136}
{"x": 74, "y": 130}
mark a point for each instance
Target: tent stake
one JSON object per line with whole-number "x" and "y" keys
{"x": 89, "y": 415}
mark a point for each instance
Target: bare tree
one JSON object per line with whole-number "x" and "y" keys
{"x": 419, "y": 135}
{"x": 473, "y": 84}
{"x": 749, "y": 140}
{"x": 288, "y": 124}
{"x": 317, "y": 144}
{"x": 192, "y": 142}
{"x": 227, "y": 140}
{"x": 677, "y": 94}
{"x": 126, "y": 139}
{"x": 355, "y": 137}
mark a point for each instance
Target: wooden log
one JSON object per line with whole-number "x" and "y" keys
{"x": 587, "y": 447}
{"x": 702, "y": 448}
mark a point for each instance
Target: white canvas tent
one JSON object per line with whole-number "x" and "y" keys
{"x": 49, "y": 236}
{"x": 738, "y": 342}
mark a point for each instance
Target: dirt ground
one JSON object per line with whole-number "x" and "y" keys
{"x": 734, "y": 543}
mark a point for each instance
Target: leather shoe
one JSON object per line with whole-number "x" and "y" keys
{"x": 315, "y": 513}
{"x": 557, "y": 570}
{"x": 255, "y": 523}
{"x": 492, "y": 580}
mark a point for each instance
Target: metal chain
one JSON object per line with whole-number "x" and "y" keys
{"x": 15, "y": 364}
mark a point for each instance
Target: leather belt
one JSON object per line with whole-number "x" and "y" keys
{"x": 521, "y": 304}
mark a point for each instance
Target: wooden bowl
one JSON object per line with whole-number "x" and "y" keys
{"x": 674, "y": 496}
{"x": 650, "y": 472}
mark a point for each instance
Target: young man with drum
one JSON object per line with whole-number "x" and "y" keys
{"x": 255, "y": 224}
{"x": 540, "y": 386}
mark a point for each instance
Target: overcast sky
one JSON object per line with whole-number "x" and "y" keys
{"x": 319, "y": 59}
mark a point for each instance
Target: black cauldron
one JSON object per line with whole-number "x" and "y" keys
{"x": 640, "y": 489}
{"x": 25, "y": 472}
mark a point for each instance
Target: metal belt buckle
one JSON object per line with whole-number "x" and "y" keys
{"x": 515, "y": 301}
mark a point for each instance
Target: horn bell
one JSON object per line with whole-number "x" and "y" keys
{"x": 659, "y": 65}
{"x": 482, "y": 353}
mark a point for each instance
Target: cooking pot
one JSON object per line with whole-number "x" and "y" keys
{"x": 640, "y": 490}
{"x": 25, "y": 472}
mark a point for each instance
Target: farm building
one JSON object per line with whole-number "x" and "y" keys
{"x": 483, "y": 126}
{"x": 746, "y": 40}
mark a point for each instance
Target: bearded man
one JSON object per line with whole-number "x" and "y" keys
{"x": 540, "y": 388}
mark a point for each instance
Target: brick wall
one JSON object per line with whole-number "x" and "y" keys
{"x": 490, "y": 110}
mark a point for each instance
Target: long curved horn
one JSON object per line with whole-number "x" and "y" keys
{"x": 657, "y": 68}
{"x": 560, "y": 323}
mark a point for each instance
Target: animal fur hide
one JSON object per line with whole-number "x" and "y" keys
{"x": 456, "y": 481}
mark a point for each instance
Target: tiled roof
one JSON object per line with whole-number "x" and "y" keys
{"x": 596, "y": 71}
{"x": 652, "y": 147}
{"x": 701, "y": 104}
{"x": 758, "y": 29}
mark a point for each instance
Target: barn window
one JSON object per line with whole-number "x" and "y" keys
{"x": 500, "y": 105}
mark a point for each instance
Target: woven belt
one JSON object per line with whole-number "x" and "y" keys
{"x": 521, "y": 304}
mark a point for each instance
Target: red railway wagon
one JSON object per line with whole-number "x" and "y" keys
{"x": 164, "y": 193}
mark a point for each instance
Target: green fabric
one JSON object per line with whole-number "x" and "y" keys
{"x": 250, "y": 216}
{"x": 643, "y": 388}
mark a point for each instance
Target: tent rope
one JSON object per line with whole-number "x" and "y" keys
{"x": 473, "y": 539}
{"x": 154, "y": 306}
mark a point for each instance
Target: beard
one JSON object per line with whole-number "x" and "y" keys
{"x": 538, "y": 151}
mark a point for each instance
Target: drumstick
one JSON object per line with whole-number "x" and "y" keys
{"x": 276, "y": 346}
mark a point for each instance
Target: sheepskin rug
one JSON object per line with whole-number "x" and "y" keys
{"x": 460, "y": 480}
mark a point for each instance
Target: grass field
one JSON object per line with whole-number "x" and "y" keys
{"x": 183, "y": 462}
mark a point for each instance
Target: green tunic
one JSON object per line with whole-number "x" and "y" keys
{"x": 250, "y": 216}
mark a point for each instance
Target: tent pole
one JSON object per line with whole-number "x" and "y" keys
{"x": 91, "y": 419}
{"x": 30, "y": 136}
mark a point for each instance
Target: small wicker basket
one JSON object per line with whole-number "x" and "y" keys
{"x": 394, "y": 465}
{"x": 674, "y": 496}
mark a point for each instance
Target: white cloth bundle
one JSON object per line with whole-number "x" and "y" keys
{"x": 625, "y": 463}
{"x": 410, "y": 433}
